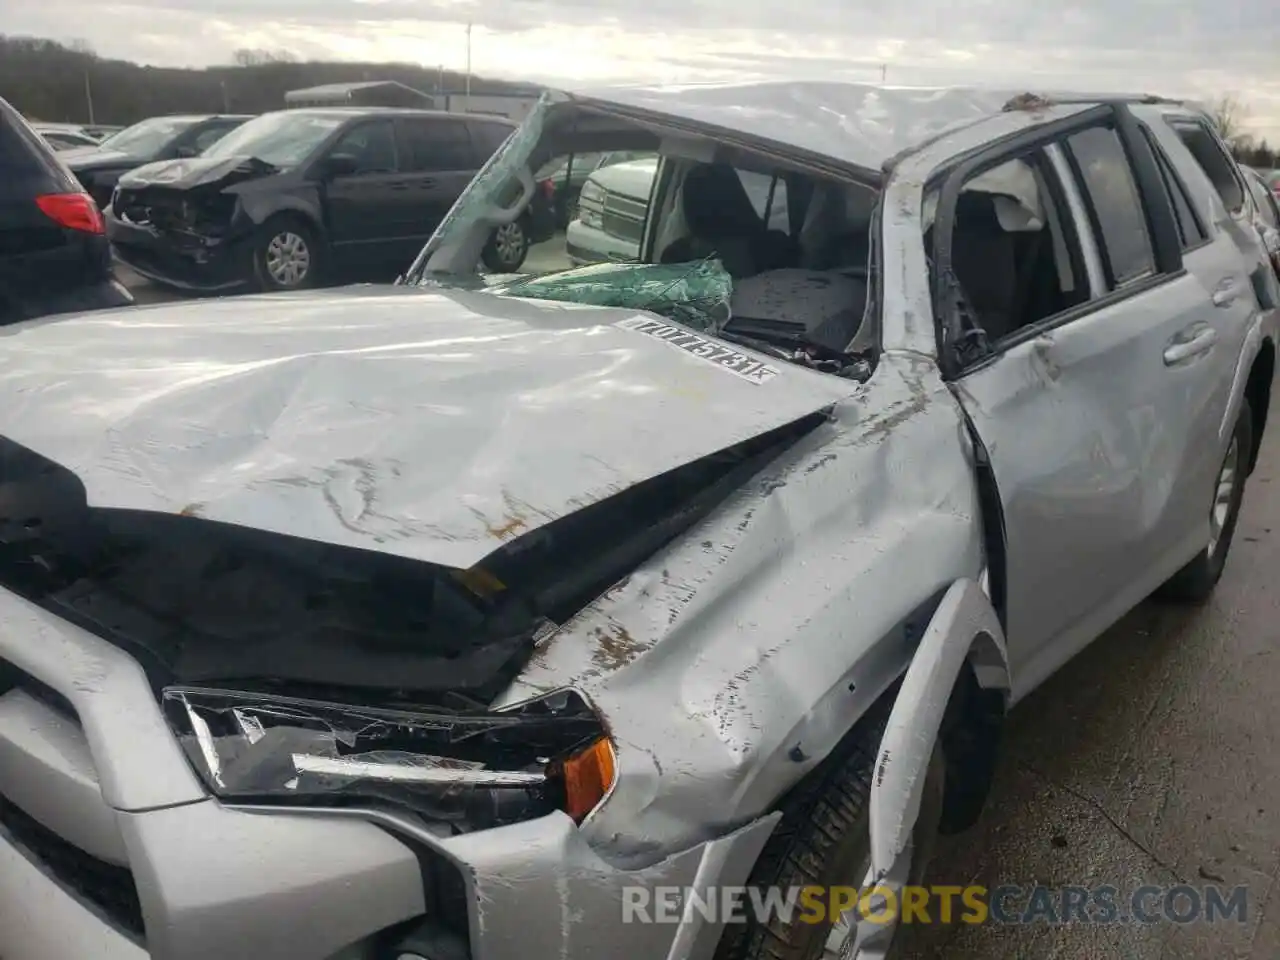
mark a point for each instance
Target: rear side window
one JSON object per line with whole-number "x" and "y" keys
{"x": 211, "y": 134}
{"x": 437, "y": 146}
{"x": 1115, "y": 206}
{"x": 1190, "y": 232}
{"x": 489, "y": 137}
{"x": 1215, "y": 162}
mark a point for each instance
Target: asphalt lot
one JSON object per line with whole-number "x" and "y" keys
{"x": 1150, "y": 759}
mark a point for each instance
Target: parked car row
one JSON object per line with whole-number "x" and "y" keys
{"x": 298, "y": 197}
{"x": 99, "y": 166}
{"x": 301, "y": 197}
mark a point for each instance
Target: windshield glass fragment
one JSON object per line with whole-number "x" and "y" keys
{"x": 281, "y": 139}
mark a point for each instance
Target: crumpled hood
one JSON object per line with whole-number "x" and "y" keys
{"x": 431, "y": 425}
{"x": 195, "y": 172}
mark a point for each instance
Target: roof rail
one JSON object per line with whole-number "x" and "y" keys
{"x": 1026, "y": 99}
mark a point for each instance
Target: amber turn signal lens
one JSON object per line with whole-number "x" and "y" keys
{"x": 588, "y": 775}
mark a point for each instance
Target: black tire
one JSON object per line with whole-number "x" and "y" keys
{"x": 823, "y": 839}
{"x": 568, "y": 210}
{"x": 1195, "y": 582}
{"x": 287, "y": 231}
{"x": 507, "y": 247}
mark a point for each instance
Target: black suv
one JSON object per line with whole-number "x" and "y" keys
{"x": 300, "y": 197}
{"x": 160, "y": 138}
{"x": 53, "y": 251}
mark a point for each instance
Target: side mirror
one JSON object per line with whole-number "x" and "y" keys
{"x": 339, "y": 165}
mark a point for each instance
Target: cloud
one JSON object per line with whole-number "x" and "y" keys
{"x": 1196, "y": 48}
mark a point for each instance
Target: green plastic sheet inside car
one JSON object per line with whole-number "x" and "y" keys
{"x": 695, "y": 294}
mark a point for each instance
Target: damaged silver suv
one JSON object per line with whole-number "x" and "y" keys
{"x": 457, "y": 618}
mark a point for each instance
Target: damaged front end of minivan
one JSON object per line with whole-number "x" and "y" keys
{"x": 184, "y": 223}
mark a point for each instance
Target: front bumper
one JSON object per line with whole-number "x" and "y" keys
{"x": 181, "y": 260}
{"x": 95, "y": 797}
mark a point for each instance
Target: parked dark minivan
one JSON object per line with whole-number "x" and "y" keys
{"x": 307, "y": 196}
{"x": 53, "y": 250}
{"x": 158, "y": 138}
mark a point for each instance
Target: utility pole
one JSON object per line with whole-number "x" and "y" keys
{"x": 884, "y": 72}
{"x": 467, "y": 108}
{"x": 226, "y": 101}
{"x": 88, "y": 94}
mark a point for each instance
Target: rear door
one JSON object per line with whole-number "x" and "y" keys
{"x": 1097, "y": 373}
{"x": 439, "y": 160}
{"x": 1232, "y": 261}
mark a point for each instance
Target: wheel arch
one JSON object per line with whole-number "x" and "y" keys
{"x": 261, "y": 208}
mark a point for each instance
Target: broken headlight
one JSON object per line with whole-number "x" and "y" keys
{"x": 473, "y": 769}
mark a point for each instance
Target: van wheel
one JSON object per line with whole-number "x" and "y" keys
{"x": 286, "y": 255}
{"x": 507, "y": 248}
{"x": 824, "y": 840}
{"x": 1195, "y": 582}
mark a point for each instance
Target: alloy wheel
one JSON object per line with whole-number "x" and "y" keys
{"x": 508, "y": 241}
{"x": 288, "y": 260}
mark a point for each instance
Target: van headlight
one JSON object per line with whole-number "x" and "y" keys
{"x": 475, "y": 768}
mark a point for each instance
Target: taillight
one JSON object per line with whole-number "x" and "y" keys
{"x": 75, "y": 211}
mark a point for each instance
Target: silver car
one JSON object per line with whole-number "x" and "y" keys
{"x": 443, "y": 621}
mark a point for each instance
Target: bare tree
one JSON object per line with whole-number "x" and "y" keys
{"x": 82, "y": 46}
{"x": 1229, "y": 114}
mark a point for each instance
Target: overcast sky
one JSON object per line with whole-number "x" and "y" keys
{"x": 1200, "y": 48}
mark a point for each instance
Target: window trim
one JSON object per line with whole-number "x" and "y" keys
{"x": 1172, "y": 181}
{"x": 1075, "y": 204}
{"x": 1159, "y": 224}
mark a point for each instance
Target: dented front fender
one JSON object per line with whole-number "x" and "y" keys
{"x": 964, "y": 616}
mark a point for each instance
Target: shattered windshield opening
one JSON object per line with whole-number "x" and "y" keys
{"x": 727, "y": 240}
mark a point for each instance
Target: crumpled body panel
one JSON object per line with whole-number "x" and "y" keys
{"x": 859, "y": 124}
{"x": 433, "y": 426}
{"x": 733, "y": 661}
